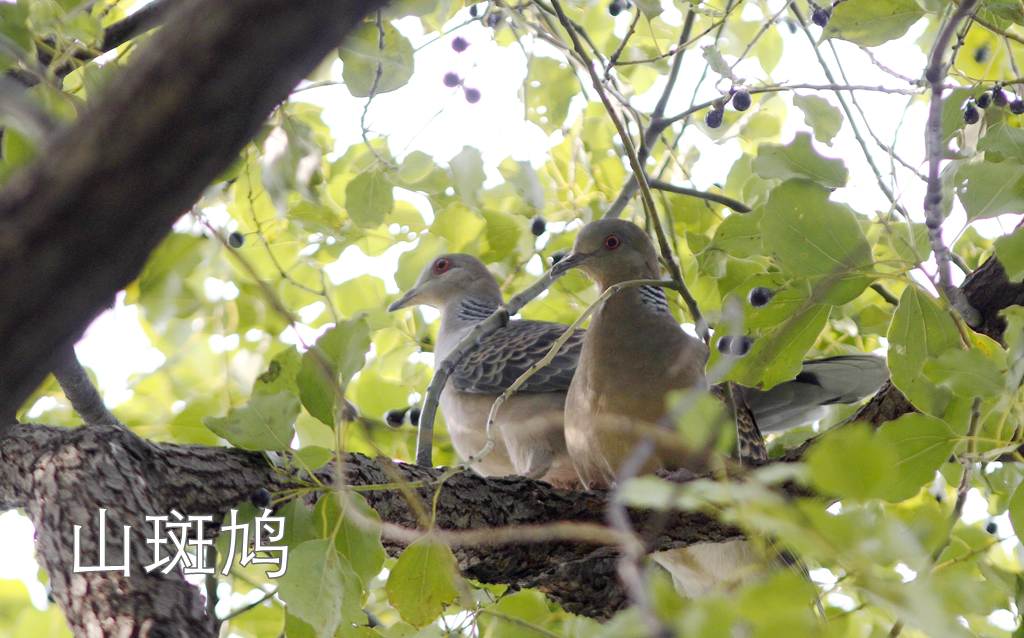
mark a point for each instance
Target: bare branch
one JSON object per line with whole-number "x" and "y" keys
{"x": 935, "y": 74}
{"x": 662, "y": 185}
{"x": 80, "y": 391}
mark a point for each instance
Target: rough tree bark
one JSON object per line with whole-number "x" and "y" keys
{"x": 63, "y": 476}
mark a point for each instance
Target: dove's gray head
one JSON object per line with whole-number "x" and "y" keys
{"x": 449, "y": 278}
{"x": 611, "y": 251}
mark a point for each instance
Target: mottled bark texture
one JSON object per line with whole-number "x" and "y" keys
{"x": 63, "y": 476}
{"x": 77, "y": 224}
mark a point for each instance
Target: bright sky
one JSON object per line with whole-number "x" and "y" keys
{"x": 442, "y": 123}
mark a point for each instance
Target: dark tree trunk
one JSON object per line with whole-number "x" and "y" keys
{"x": 77, "y": 225}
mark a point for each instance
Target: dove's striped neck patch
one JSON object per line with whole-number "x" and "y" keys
{"x": 654, "y": 298}
{"x": 475, "y": 310}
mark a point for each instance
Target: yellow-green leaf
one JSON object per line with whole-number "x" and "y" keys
{"x": 423, "y": 581}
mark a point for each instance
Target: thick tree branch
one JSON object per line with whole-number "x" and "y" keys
{"x": 63, "y": 476}
{"x": 78, "y": 224}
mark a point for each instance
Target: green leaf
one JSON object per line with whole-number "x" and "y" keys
{"x": 922, "y": 443}
{"x": 356, "y": 535}
{"x": 503, "y": 233}
{"x": 952, "y": 111}
{"x": 651, "y": 8}
{"x": 468, "y": 175}
{"x": 1010, "y": 252}
{"x": 799, "y": 159}
{"x": 280, "y": 374}
{"x": 320, "y": 588}
{"x": 423, "y": 581}
{"x": 313, "y": 457}
{"x": 343, "y": 350}
{"x": 739, "y": 235}
{"x": 717, "y": 63}
{"x": 822, "y": 117}
{"x": 523, "y": 176}
{"x": 416, "y": 166}
{"x": 370, "y": 70}
{"x": 265, "y": 422}
{"x": 548, "y": 89}
{"x": 776, "y": 356}
{"x": 872, "y": 22}
{"x": 459, "y": 225}
{"x": 920, "y": 330}
{"x": 16, "y": 148}
{"x": 1006, "y": 140}
{"x": 369, "y": 197}
{"x": 817, "y": 239}
{"x": 852, "y": 462}
{"x": 1017, "y": 509}
{"x": 991, "y": 188}
{"x": 968, "y": 373}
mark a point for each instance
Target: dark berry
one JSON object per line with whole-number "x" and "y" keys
{"x": 971, "y": 113}
{"x": 414, "y": 416}
{"x": 616, "y": 7}
{"x": 472, "y": 95}
{"x": 741, "y": 346}
{"x": 984, "y": 100}
{"x": 1017, "y": 106}
{"x": 735, "y": 346}
{"x": 538, "y": 225}
{"x": 558, "y": 256}
{"x": 260, "y": 498}
{"x": 999, "y": 98}
{"x": 821, "y": 15}
{"x": 460, "y": 44}
{"x": 493, "y": 19}
{"x": 714, "y": 117}
{"x": 992, "y": 528}
{"x": 236, "y": 239}
{"x": 759, "y": 296}
{"x": 452, "y": 79}
{"x": 725, "y": 344}
{"x": 395, "y": 418}
{"x": 472, "y": 10}
{"x": 981, "y": 53}
{"x": 741, "y": 101}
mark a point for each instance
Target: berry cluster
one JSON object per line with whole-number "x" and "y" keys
{"x": 451, "y": 79}
{"x": 740, "y": 99}
{"x": 996, "y": 97}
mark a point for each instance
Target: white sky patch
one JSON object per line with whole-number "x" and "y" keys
{"x": 17, "y": 539}
{"x": 115, "y": 347}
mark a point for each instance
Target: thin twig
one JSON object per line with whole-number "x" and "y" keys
{"x": 662, "y": 185}
{"x": 935, "y": 74}
{"x": 849, "y": 115}
{"x": 657, "y": 123}
{"x": 635, "y": 163}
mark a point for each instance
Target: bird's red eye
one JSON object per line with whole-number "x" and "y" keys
{"x": 442, "y": 265}
{"x": 611, "y": 242}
